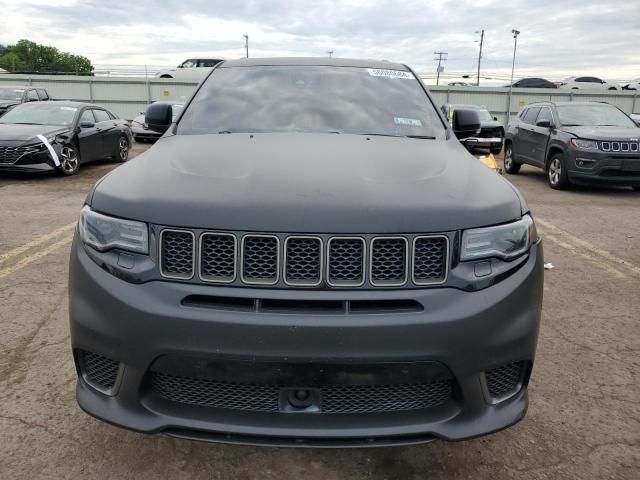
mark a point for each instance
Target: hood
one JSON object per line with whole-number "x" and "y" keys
{"x": 604, "y": 133}
{"x": 13, "y": 132}
{"x": 308, "y": 183}
{"x": 8, "y": 103}
{"x": 491, "y": 124}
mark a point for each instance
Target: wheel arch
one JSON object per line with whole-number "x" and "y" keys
{"x": 553, "y": 149}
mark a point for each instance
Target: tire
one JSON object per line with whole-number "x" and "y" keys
{"x": 510, "y": 165}
{"x": 496, "y": 150}
{"x": 69, "y": 160}
{"x": 122, "y": 153}
{"x": 557, "y": 172}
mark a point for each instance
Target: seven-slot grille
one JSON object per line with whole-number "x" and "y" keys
{"x": 617, "y": 146}
{"x": 304, "y": 260}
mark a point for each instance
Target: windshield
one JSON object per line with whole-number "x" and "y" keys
{"x": 312, "y": 99}
{"x": 10, "y": 94}
{"x": 40, "y": 114}
{"x": 177, "y": 109}
{"x": 485, "y": 116}
{"x": 593, "y": 116}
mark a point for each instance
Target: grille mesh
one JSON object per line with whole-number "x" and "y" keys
{"x": 10, "y": 155}
{"x": 100, "y": 371}
{"x": 260, "y": 259}
{"x": 505, "y": 379}
{"x": 429, "y": 259}
{"x": 336, "y": 399}
{"x": 346, "y": 261}
{"x": 218, "y": 257}
{"x": 388, "y": 261}
{"x": 177, "y": 254}
{"x": 304, "y": 260}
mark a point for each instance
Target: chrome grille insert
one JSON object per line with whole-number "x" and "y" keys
{"x": 218, "y": 252}
{"x": 260, "y": 259}
{"x": 303, "y": 261}
{"x": 345, "y": 262}
{"x": 430, "y": 254}
{"x": 177, "y": 254}
{"x": 388, "y": 261}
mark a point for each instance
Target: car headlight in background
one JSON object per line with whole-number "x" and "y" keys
{"x": 584, "y": 144}
{"x": 104, "y": 233}
{"x": 503, "y": 241}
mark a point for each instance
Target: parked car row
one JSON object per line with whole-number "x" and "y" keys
{"x": 570, "y": 83}
{"x": 60, "y": 136}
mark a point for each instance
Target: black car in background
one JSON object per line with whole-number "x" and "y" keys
{"x": 11, "y": 96}
{"x": 533, "y": 83}
{"x": 491, "y": 132}
{"x": 45, "y": 136}
{"x": 575, "y": 142}
{"x": 142, "y": 132}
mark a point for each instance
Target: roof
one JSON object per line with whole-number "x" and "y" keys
{"x": 314, "y": 61}
{"x": 68, "y": 103}
{"x": 557, "y": 104}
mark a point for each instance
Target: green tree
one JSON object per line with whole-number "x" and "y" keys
{"x": 32, "y": 57}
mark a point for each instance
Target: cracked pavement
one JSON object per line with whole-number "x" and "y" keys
{"x": 584, "y": 415}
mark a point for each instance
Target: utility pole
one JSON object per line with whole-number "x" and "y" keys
{"x": 513, "y": 66}
{"x": 330, "y": 52}
{"x": 246, "y": 43}
{"x": 480, "y": 56}
{"x": 442, "y": 57}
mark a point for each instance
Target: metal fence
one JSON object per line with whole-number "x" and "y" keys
{"x": 128, "y": 96}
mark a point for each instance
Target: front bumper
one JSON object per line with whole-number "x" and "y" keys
{"x": 604, "y": 168}
{"x": 483, "y": 142}
{"x": 32, "y": 162}
{"x": 143, "y": 325}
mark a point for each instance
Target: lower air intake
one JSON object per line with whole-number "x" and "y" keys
{"x": 100, "y": 372}
{"x": 506, "y": 380}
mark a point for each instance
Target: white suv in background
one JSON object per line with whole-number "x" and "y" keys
{"x": 191, "y": 69}
{"x": 586, "y": 83}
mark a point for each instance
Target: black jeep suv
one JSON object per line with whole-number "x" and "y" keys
{"x": 308, "y": 256}
{"x": 575, "y": 142}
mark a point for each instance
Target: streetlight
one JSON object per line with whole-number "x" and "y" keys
{"x": 246, "y": 43}
{"x": 513, "y": 66}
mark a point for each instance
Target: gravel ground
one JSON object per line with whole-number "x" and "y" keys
{"x": 584, "y": 415}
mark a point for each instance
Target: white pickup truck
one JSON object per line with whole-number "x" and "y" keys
{"x": 191, "y": 69}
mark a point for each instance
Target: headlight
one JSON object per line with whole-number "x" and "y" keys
{"x": 584, "y": 144}
{"x": 504, "y": 241}
{"x": 104, "y": 233}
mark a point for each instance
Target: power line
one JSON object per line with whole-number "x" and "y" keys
{"x": 442, "y": 57}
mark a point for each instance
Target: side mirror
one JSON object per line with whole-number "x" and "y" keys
{"x": 87, "y": 125}
{"x": 543, "y": 124}
{"x": 465, "y": 123}
{"x": 159, "y": 117}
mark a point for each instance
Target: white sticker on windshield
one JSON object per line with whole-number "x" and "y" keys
{"x": 411, "y": 122}
{"x": 381, "y": 72}
{"x": 70, "y": 109}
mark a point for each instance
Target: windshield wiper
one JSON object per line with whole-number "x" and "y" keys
{"x": 424, "y": 137}
{"x": 572, "y": 125}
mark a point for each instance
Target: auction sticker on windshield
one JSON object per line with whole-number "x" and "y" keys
{"x": 381, "y": 72}
{"x": 411, "y": 122}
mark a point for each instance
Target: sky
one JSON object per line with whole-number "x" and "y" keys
{"x": 558, "y": 37}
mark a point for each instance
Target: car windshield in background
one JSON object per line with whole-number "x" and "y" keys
{"x": 40, "y": 114}
{"x": 485, "y": 116}
{"x": 10, "y": 94}
{"x": 312, "y": 99}
{"x": 593, "y": 115}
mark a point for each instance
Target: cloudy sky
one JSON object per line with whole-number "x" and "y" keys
{"x": 559, "y": 37}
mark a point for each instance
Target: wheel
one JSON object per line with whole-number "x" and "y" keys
{"x": 510, "y": 165}
{"x": 69, "y": 160}
{"x": 557, "y": 172}
{"x": 496, "y": 150}
{"x": 123, "y": 149}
